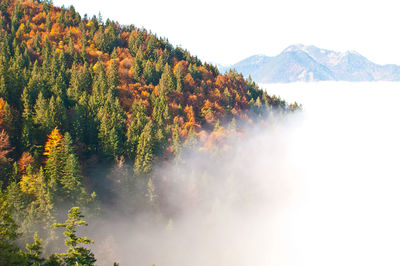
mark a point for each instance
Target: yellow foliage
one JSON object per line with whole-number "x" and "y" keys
{"x": 21, "y": 27}
{"x": 54, "y": 141}
{"x": 145, "y": 94}
{"x": 30, "y": 184}
{"x": 4, "y": 112}
{"x": 89, "y": 24}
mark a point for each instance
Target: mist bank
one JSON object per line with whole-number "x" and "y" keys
{"x": 219, "y": 207}
{"x": 348, "y": 149}
{"x": 318, "y": 188}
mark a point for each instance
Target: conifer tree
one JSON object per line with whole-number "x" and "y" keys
{"x": 76, "y": 254}
{"x": 71, "y": 180}
{"x": 139, "y": 120}
{"x": 41, "y": 115}
{"x": 176, "y": 140}
{"x": 35, "y": 251}
{"x": 167, "y": 83}
{"x": 149, "y": 73}
{"x": 9, "y": 253}
{"x": 144, "y": 154}
{"x": 54, "y": 167}
{"x": 113, "y": 78}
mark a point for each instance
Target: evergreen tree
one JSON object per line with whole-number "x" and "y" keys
{"x": 113, "y": 78}
{"x": 71, "y": 180}
{"x": 35, "y": 251}
{"x": 76, "y": 254}
{"x": 144, "y": 154}
{"x": 41, "y": 116}
{"x": 167, "y": 83}
{"x": 149, "y": 73}
{"x": 54, "y": 167}
{"x": 160, "y": 110}
{"x": 9, "y": 253}
{"x": 176, "y": 140}
{"x": 139, "y": 120}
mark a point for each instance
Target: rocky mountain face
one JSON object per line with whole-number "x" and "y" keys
{"x": 310, "y": 63}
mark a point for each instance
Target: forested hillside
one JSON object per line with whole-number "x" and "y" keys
{"x": 87, "y": 109}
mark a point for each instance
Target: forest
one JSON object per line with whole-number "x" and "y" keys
{"x": 89, "y": 109}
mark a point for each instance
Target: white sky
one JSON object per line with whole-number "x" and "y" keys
{"x": 227, "y": 31}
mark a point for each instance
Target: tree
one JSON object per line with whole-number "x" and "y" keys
{"x": 139, "y": 120}
{"x": 54, "y": 167}
{"x": 35, "y": 251}
{"x": 76, "y": 254}
{"x": 113, "y": 77}
{"x": 5, "y": 166}
{"x": 5, "y": 147}
{"x": 167, "y": 83}
{"x": 160, "y": 110}
{"x": 176, "y": 140}
{"x": 71, "y": 180}
{"x": 41, "y": 115}
{"x": 149, "y": 73}
{"x": 24, "y": 162}
{"x": 54, "y": 142}
{"x": 5, "y": 115}
{"x": 144, "y": 154}
{"x": 9, "y": 253}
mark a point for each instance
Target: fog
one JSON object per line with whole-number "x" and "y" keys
{"x": 319, "y": 188}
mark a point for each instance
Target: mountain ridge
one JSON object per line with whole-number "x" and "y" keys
{"x": 309, "y": 63}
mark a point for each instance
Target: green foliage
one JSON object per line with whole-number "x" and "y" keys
{"x": 9, "y": 253}
{"x": 35, "y": 251}
{"x": 139, "y": 120}
{"x": 144, "y": 155}
{"x": 76, "y": 254}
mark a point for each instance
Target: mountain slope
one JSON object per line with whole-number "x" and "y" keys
{"x": 310, "y": 63}
{"x": 90, "y": 110}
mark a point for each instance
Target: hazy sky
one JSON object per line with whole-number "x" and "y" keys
{"x": 226, "y": 31}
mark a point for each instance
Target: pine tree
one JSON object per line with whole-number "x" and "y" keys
{"x": 27, "y": 122}
{"x": 9, "y": 253}
{"x": 35, "y": 251}
{"x": 176, "y": 140}
{"x": 71, "y": 180}
{"x": 167, "y": 83}
{"x": 137, "y": 69}
{"x": 144, "y": 154}
{"x": 54, "y": 167}
{"x": 113, "y": 78}
{"x": 41, "y": 115}
{"x": 139, "y": 120}
{"x": 160, "y": 110}
{"x": 76, "y": 254}
{"x": 149, "y": 73}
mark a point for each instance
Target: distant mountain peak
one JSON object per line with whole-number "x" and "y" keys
{"x": 301, "y": 62}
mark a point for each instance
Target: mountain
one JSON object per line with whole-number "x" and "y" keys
{"x": 310, "y": 63}
{"x": 90, "y": 112}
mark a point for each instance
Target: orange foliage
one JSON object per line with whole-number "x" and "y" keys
{"x": 25, "y": 161}
{"x": 181, "y": 67}
{"x": 190, "y": 116}
{"x": 5, "y": 147}
{"x": 188, "y": 81}
{"x": 56, "y": 32}
{"x": 40, "y": 18}
{"x": 220, "y": 81}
